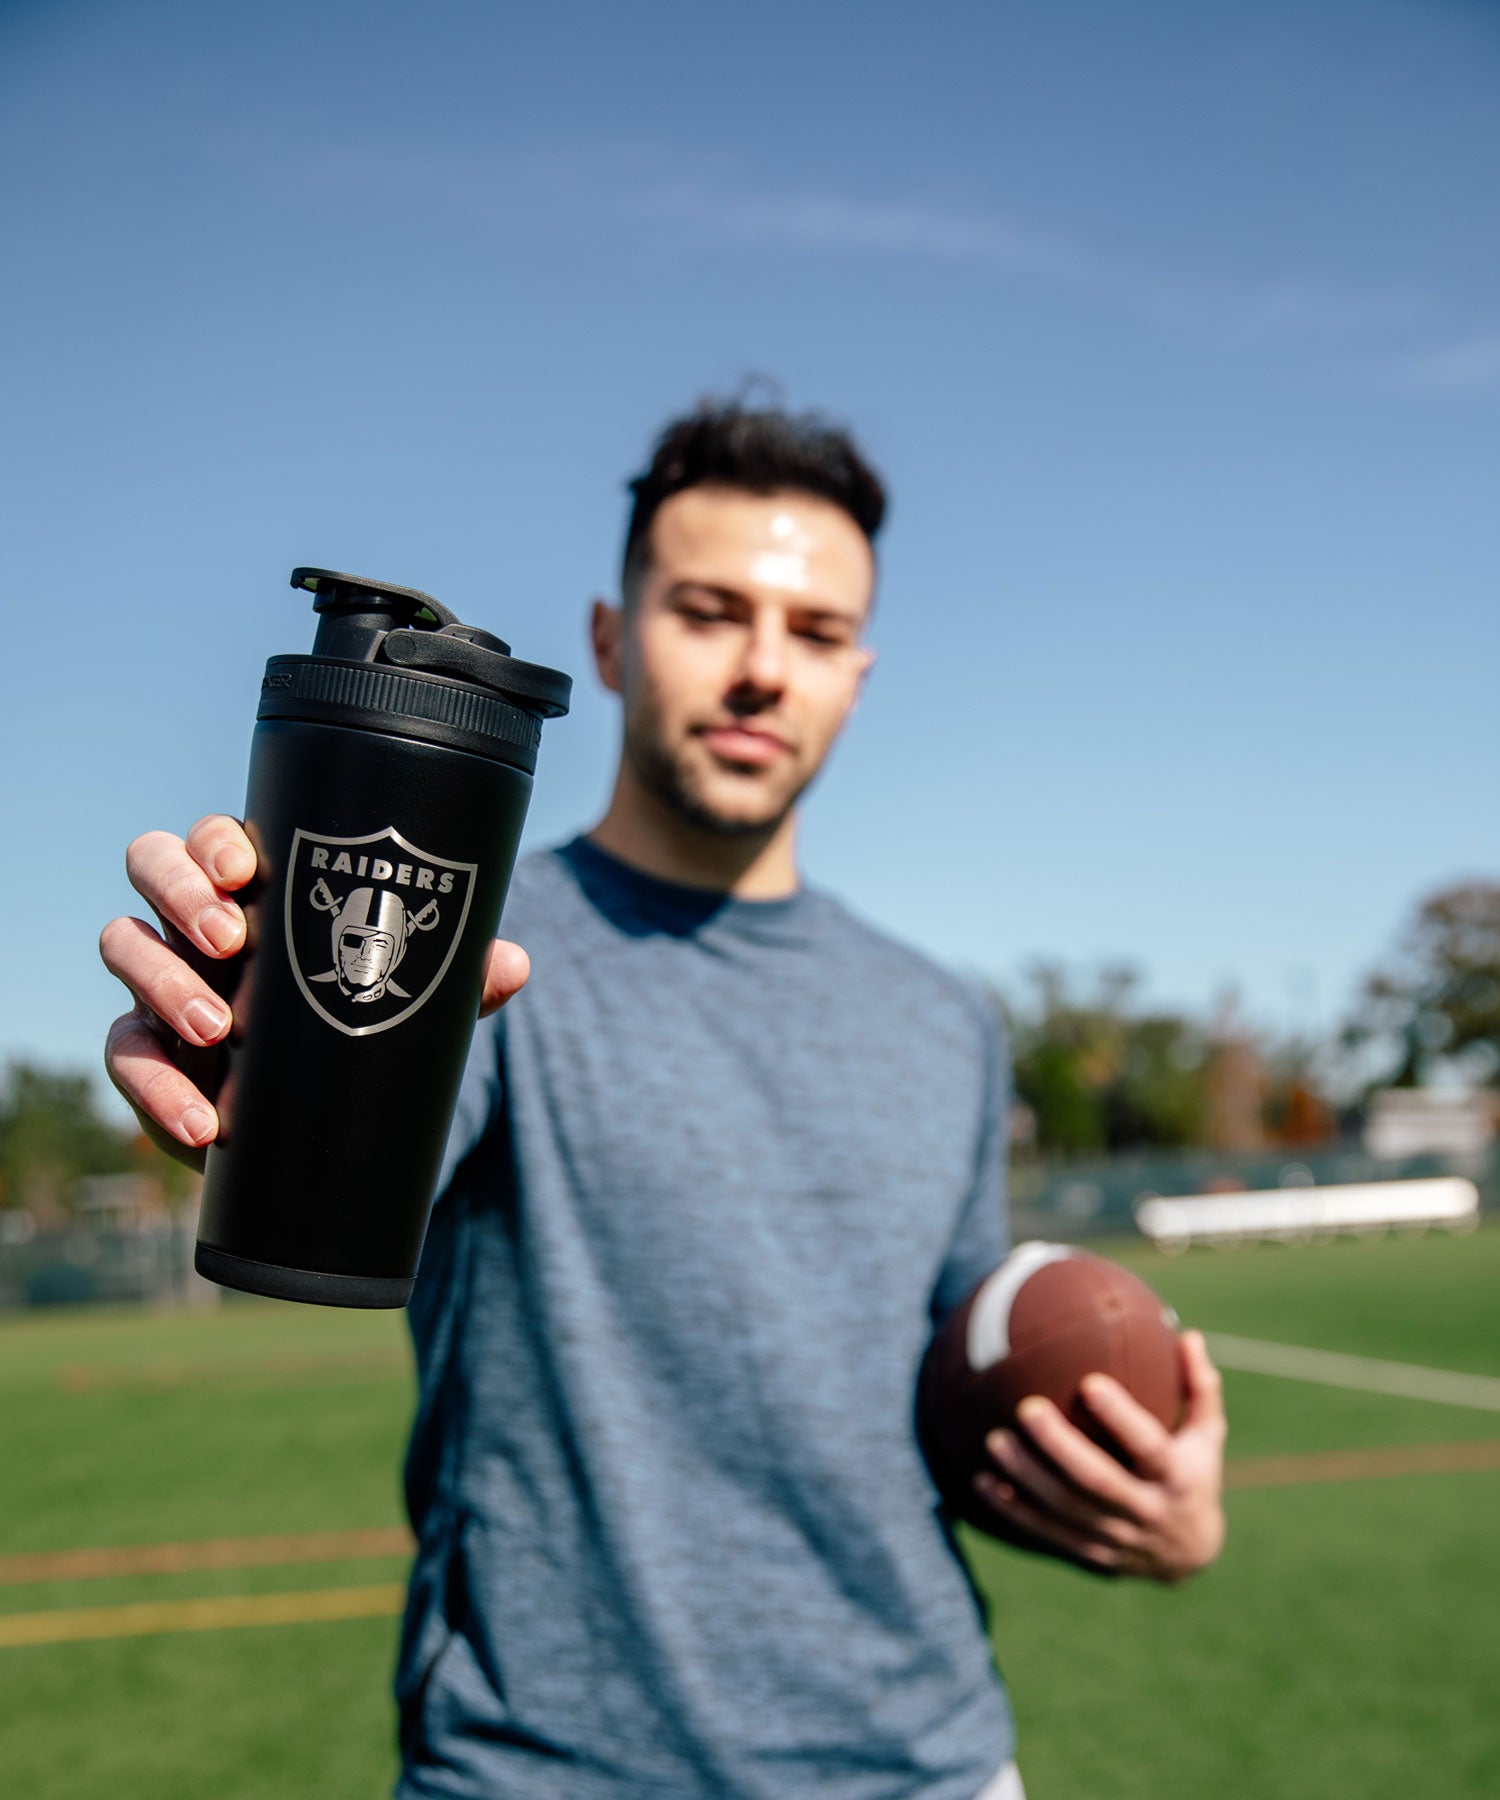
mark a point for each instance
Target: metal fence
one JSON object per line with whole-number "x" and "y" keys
{"x": 116, "y": 1252}
{"x": 112, "y": 1261}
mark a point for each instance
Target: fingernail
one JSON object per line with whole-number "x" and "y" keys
{"x": 228, "y": 867}
{"x": 220, "y": 926}
{"x": 1031, "y": 1408}
{"x": 997, "y": 1443}
{"x": 1092, "y": 1387}
{"x": 206, "y": 1020}
{"x": 198, "y": 1124}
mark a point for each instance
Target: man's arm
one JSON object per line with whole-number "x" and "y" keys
{"x": 981, "y": 1229}
{"x": 155, "y": 1051}
{"x": 1164, "y": 1520}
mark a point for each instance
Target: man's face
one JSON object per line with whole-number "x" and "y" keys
{"x": 740, "y": 657}
{"x": 365, "y": 956}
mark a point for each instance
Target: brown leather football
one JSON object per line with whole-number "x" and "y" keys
{"x": 1046, "y": 1317}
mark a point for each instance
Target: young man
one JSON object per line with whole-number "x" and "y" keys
{"x": 718, "y": 1168}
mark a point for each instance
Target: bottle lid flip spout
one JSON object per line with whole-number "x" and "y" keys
{"x": 355, "y": 613}
{"x": 375, "y": 622}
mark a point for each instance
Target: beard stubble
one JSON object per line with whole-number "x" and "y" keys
{"x": 664, "y": 776}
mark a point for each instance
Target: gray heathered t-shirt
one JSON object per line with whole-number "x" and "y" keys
{"x": 715, "y": 1173}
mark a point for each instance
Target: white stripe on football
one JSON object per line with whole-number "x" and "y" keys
{"x": 988, "y": 1340}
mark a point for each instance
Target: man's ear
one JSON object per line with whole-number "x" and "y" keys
{"x": 606, "y": 632}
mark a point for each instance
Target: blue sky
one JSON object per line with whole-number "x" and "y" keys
{"x": 1175, "y": 327}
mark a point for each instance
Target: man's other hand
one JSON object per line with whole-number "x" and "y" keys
{"x": 155, "y": 1051}
{"x": 1162, "y": 1518}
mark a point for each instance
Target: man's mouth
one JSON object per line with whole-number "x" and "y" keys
{"x": 743, "y": 743}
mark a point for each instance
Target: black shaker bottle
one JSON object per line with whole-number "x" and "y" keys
{"x": 389, "y": 776}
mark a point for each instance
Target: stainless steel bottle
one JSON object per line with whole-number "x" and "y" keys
{"x": 389, "y": 777}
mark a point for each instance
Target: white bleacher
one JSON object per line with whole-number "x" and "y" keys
{"x": 1295, "y": 1215}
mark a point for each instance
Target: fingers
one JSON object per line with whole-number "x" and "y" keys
{"x": 504, "y": 975}
{"x": 1092, "y": 1470}
{"x": 1026, "y": 1472}
{"x": 1077, "y": 1545}
{"x": 1139, "y": 1433}
{"x": 168, "y": 874}
{"x": 1161, "y": 1519}
{"x": 158, "y": 1090}
{"x": 220, "y": 848}
{"x": 1205, "y": 1386}
{"x": 162, "y": 982}
{"x": 187, "y": 883}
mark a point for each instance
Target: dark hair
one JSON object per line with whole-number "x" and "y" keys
{"x": 758, "y": 450}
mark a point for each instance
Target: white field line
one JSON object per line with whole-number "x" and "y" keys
{"x": 1329, "y": 1368}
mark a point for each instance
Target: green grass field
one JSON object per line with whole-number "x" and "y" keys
{"x": 1347, "y": 1644}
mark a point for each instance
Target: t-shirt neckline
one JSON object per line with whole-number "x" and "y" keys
{"x": 618, "y": 886}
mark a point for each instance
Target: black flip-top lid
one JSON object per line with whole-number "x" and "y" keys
{"x": 361, "y": 620}
{"x": 392, "y": 659}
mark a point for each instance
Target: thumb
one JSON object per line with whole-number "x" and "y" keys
{"x": 504, "y": 975}
{"x": 1205, "y": 1388}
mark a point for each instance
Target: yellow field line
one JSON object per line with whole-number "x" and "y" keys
{"x": 148, "y": 1618}
{"x": 395, "y": 1540}
{"x": 205, "y": 1553}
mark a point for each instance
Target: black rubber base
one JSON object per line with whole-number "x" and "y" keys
{"x": 300, "y": 1284}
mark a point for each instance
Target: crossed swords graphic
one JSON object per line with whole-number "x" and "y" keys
{"x": 326, "y": 900}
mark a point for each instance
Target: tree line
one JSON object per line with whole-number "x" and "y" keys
{"x": 1097, "y": 1072}
{"x": 53, "y": 1135}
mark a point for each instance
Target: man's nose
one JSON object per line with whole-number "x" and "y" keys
{"x": 763, "y": 660}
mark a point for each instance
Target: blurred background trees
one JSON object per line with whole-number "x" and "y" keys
{"x": 1098, "y": 1075}
{"x": 1096, "y": 1072}
{"x": 53, "y": 1137}
{"x": 1436, "y": 1003}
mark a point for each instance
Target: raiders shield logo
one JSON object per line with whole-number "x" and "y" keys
{"x": 371, "y": 925}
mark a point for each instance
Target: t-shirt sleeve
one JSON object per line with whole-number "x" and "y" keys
{"x": 981, "y": 1235}
{"x": 478, "y": 1102}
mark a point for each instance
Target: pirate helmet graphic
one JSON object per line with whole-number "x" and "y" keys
{"x": 371, "y": 930}
{"x": 372, "y": 925}
{"x": 369, "y": 940}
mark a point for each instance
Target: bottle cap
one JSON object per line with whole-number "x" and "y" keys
{"x": 395, "y": 659}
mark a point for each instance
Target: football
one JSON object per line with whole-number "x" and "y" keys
{"x": 1046, "y": 1317}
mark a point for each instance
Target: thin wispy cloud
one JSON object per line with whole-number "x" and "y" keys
{"x": 597, "y": 188}
{"x": 833, "y": 222}
{"x": 1246, "y": 309}
{"x": 1470, "y": 366}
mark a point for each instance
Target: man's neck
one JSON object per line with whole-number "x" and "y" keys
{"x": 641, "y": 830}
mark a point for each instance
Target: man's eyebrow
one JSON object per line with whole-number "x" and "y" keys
{"x": 822, "y": 612}
{"x": 809, "y": 609}
{"x": 717, "y": 589}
